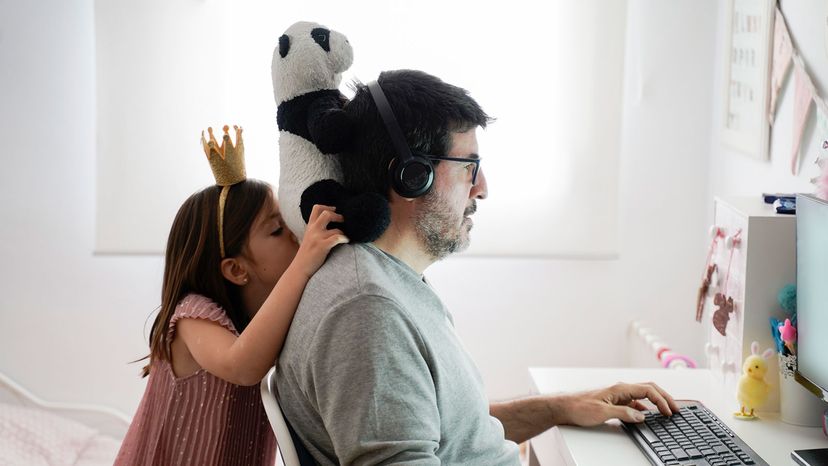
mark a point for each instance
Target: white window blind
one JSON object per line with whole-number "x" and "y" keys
{"x": 550, "y": 72}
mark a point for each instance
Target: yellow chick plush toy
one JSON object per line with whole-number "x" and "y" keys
{"x": 753, "y": 390}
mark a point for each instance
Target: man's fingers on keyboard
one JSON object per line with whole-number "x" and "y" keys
{"x": 674, "y": 407}
{"x": 648, "y": 391}
{"x": 627, "y": 414}
{"x": 671, "y": 403}
{"x": 636, "y": 404}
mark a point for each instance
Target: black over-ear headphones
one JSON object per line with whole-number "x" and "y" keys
{"x": 411, "y": 175}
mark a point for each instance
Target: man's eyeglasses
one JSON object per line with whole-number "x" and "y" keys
{"x": 475, "y": 162}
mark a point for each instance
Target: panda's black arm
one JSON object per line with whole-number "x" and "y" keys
{"x": 330, "y": 128}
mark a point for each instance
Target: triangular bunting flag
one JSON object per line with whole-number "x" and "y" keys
{"x": 803, "y": 96}
{"x": 782, "y": 52}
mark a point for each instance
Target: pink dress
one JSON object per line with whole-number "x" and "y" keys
{"x": 198, "y": 419}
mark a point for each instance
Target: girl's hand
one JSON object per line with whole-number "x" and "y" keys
{"x": 318, "y": 240}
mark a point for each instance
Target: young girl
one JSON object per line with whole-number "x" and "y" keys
{"x": 232, "y": 280}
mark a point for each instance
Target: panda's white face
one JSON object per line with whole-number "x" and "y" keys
{"x": 309, "y": 57}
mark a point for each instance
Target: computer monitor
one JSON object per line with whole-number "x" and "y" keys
{"x": 812, "y": 294}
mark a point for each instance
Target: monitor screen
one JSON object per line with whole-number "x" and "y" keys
{"x": 812, "y": 292}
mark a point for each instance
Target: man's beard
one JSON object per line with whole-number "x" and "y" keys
{"x": 439, "y": 229}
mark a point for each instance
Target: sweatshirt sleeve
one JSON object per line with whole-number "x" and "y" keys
{"x": 373, "y": 386}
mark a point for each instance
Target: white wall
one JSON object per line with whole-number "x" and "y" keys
{"x": 70, "y": 321}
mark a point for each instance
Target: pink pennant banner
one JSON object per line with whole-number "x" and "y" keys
{"x": 782, "y": 53}
{"x": 803, "y": 96}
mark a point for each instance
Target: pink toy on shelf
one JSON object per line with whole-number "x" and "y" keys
{"x": 788, "y": 333}
{"x": 671, "y": 360}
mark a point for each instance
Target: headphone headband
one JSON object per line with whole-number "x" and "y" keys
{"x": 411, "y": 175}
{"x": 390, "y": 121}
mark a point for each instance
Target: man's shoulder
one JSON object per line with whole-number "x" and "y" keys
{"x": 350, "y": 271}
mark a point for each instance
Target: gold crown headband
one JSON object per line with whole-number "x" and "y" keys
{"x": 227, "y": 163}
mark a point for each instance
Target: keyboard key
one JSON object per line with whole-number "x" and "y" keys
{"x": 693, "y": 453}
{"x": 679, "y": 454}
{"x": 648, "y": 434}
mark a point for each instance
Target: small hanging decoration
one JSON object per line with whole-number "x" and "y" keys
{"x": 703, "y": 290}
{"x": 725, "y": 304}
{"x": 709, "y": 272}
{"x": 721, "y": 317}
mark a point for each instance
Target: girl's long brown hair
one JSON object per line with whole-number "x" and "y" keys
{"x": 193, "y": 259}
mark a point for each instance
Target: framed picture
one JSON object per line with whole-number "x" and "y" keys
{"x": 747, "y": 76}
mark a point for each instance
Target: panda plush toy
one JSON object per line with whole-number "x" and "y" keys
{"x": 313, "y": 128}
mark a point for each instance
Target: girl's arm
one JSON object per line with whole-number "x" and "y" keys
{"x": 244, "y": 360}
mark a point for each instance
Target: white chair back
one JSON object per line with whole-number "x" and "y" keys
{"x": 277, "y": 421}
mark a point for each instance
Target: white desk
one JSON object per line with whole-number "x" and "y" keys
{"x": 772, "y": 439}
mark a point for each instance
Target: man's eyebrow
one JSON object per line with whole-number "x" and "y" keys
{"x": 473, "y": 156}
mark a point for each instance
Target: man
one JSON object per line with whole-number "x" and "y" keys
{"x": 372, "y": 371}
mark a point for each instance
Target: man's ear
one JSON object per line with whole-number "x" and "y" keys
{"x": 234, "y": 271}
{"x": 394, "y": 198}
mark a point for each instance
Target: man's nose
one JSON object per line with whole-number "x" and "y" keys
{"x": 480, "y": 190}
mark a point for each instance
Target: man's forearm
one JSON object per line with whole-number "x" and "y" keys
{"x": 525, "y": 418}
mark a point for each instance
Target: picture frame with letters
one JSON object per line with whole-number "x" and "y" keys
{"x": 748, "y": 38}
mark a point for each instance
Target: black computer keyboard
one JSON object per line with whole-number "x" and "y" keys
{"x": 693, "y": 436}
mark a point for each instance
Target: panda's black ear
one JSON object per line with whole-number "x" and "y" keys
{"x": 284, "y": 45}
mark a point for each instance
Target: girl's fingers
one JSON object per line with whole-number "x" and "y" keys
{"x": 336, "y": 218}
{"x": 326, "y": 217}
{"x": 333, "y": 232}
{"x": 335, "y": 240}
{"x": 317, "y": 210}
{"x": 326, "y": 238}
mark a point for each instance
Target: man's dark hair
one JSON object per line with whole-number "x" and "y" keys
{"x": 428, "y": 111}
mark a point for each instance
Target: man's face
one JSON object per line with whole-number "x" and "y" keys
{"x": 443, "y": 219}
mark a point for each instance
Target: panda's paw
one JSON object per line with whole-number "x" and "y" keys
{"x": 367, "y": 216}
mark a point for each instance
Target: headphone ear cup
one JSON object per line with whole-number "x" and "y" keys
{"x": 411, "y": 178}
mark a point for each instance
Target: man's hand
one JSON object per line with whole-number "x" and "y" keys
{"x": 622, "y": 401}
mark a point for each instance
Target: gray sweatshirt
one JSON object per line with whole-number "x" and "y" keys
{"x": 372, "y": 371}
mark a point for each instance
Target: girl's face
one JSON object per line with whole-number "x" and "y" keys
{"x": 270, "y": 249}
